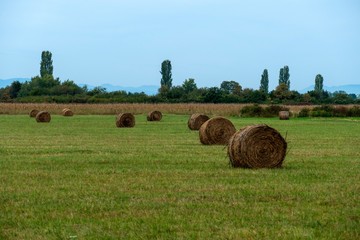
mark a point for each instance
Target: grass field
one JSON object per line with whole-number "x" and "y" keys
{"x": 83, "y": 178}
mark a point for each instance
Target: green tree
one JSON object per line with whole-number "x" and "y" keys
{"x": 319, "y": 83}
{"x": 264, "y": 82}
{"x": 46, "y": 65}
{"x": 281, "y": 93}
{"x": 14, "y": 89}
{"x": 212, "y": 95}
{"x": 189, "y": 85}
{"x": 231, "y": 87}
{"x": 341, "y": 97}
{"x": 39, "y": 86}
{"x": 68, "y": 87}
{"x": 284, "y": 76}
{"x": 166, "y": 76}
{"x": 97, "y": 91}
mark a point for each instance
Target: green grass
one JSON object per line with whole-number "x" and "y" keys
{"x": 83, "y": 178}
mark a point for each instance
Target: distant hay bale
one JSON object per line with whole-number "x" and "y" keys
{"x": 284, "y": 115}
{"x": 33, "y": 113}
{"x": 257, "y": 146}
{"x": 67, "y": 112}
{"x": 216, "y": 130}
{"x": 43, "y": 116}
{"x": 154, "y": 116}
{"x": 196, "y": 120}
{"x": 125, "y": 120}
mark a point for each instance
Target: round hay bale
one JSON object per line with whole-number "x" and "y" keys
{"x": 196, "y": 120}
{"x": 43, "y": 116}
{"x": 154, "y": 116}
{"x": 257, "y": 146}
{"x": 67, "y": 112}
{"x": 33, "y": 113}
{"x": 284, "y": 115}
{"x": 125, "y": 120}
{"x": 216, "y": 130}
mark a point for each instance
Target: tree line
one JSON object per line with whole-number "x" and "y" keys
{"x": 46, "y": 88}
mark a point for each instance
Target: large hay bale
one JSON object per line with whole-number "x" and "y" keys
{"x": 196, "y": 120}
{"x": 154, "y": 116}
{"x": 216, "y": 130}
{"x": 257, "y": 146}
{"x": 125, "y": 120}
{"x": 284, "y": 115}
{"x": 33, "y": 113}
{"x": 67, "y": 112}
{"x": 43, "y": 116}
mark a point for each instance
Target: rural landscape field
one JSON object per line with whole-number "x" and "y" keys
{"x": 81, "y": 177}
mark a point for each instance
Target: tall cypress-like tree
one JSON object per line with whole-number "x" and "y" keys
{"x": 46, "y": 66}
{"x": 281, "y": 76}
{"x": 284, "y": 76}
{"x": 319, "y": 80}
{"x": 166, "y": 76}
{"x": 264, "y": 83}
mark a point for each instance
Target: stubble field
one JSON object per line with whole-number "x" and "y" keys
{"x": 82, "y": 178}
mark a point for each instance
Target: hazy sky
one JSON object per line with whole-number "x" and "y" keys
{"x": 123, "y": 42}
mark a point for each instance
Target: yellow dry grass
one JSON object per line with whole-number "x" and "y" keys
{"x": 135, "y": 108}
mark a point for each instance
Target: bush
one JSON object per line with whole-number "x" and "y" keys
{"x": 340, "y": 112}
{"x": 273, "y": 110}
{"x": 354, "y": 111}
{"x": 258, "y": 111}
{"x": 323, "y": 111}
{"x": 330, "y": 111}
{"x": 252, "y": 111}
{"x": 305, "y": 112}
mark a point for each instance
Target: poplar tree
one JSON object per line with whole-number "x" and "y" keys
{"x": 166, "y": 76}
{"x": 264, "y": 83}
{"x": 46, "y": 66}
{"x": 284, "y": 76}
{"x": 319, "y": 83}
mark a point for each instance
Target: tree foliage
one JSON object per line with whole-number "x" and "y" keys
{"x": 284, "y": 76}
{"x": 46, "y": 64}
{"x": 264, "y": 82}
{"x": 166, "y": 75}
{"x": 15, "y": 87}
{"x": 46, "y": 88}
{"x": 231, "y": 87}
{"x": 319, "y": 83}
{"x": 189, "y": 85}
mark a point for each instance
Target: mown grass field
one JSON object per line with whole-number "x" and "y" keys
{"x": 82, "y": 178}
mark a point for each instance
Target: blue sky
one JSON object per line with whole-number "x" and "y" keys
{"x": 123, "y": 42}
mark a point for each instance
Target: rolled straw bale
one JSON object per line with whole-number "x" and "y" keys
{"x": 125, "y": 120}
{"x": 43, "y": 116}
{"x": 196, "y": 120}
{"x": 33, "y": 113}
{"x": 217, "y": 130}
{"x": 284, "y": 115}
{"x": 154, "y": 116}
{"x": 67, "y": 112}
{"x": 64, "y": 110}
{"x": 257, "y": 146}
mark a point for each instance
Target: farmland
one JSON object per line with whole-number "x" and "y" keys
{"x": 82, "y": 178}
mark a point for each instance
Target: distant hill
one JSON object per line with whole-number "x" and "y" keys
{"x": 351, "y": 88}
